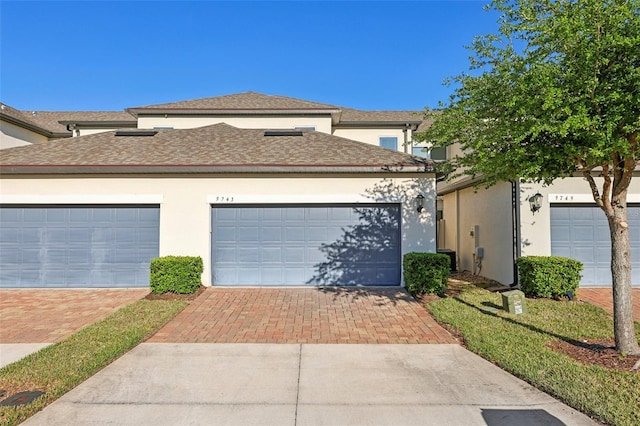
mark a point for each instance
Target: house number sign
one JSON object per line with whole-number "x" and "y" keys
{"x": 223, "y": 199}
{"x": 560, "y": 197}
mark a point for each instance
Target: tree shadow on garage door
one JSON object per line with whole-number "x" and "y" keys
{"x": 369, "y": 252}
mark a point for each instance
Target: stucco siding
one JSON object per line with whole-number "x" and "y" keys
{"x": 536, "y": 227}
{"x": 483, "y": 220}
{"x": 322, "y": 124}
{"x": 372, "y": 136}
{"x": 12, "y": 135}
{"x": 185, "y": 202}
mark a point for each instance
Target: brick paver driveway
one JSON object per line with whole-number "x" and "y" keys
{"x": 50, "y": 315}
{"x": 303, "y": 315}
{"x": 603, "y": 297}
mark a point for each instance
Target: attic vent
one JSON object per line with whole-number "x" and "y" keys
{"x": 136, "y": 132}
{"x": 283, "y": 133}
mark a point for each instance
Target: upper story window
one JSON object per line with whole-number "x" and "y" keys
{"x": 389, "y": 142}
{"x": 305, "y": 128}
{"x": 436, "y": 154}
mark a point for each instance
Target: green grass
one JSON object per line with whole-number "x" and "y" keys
{"x": 520, "y": 344}
{"x": 59, "y": 368}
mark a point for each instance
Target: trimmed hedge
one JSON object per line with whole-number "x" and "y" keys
{"x": 426, "y": 272}
{"x": 549, "y": 276}
{"x": 175, "y": 274}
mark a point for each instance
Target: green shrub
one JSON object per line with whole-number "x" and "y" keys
{"x": 426, "y": 272}
{"x": 548, "y": 276}
{"x": 175, "y": 274}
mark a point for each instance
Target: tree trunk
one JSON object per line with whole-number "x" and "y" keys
{"x": 623, "y": 326}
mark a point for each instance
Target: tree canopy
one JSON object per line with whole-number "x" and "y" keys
{"x": 558, "y": 89}
{"x": 555, "y": 93}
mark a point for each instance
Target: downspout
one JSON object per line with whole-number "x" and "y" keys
{"x": 515, "y": 220}
{"x": 406, "y": 138}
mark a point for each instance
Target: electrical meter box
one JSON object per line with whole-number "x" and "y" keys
{"x": 514, "y": 302}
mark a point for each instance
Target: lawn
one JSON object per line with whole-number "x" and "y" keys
{"x": 59, "y": 368}
{"x": 521, "y": 345}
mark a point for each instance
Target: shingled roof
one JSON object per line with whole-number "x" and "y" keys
{"x": 219, "y": 148}
{"x": 240, "y": 101}
{"x": 54, "y": 123}
{"x": 350, "y": 116}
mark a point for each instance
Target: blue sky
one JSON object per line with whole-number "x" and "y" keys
{"x": 90, "y": 55}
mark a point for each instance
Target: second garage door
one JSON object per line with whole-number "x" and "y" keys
{"x": 306, "y": 245}
{"x": 77, "y": 246}
{"x": 582, "y": 233}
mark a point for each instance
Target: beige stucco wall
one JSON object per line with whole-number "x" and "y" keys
{"x": 322, "y": 124}
{"x": 372, "y": 136}
{"x": 536, "y": 227}
{"x": 484, "y": 220}
{"x": 12, "y": 135}
{"x": 185, "y": 202}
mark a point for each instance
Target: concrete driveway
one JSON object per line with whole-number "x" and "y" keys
{"x": 304, "y": 384}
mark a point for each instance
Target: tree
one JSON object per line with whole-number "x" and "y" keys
{"x": 555, "y": 93}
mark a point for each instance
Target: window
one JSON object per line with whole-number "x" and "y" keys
{"x": 439, "y": 154}
{"x": 436, "y": 154}
{"x": 305, "y": 128}
{"x": 419, "y": 151}
{"x": 389, "y": 142}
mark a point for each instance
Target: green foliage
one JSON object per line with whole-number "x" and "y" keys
{"x": 58, "y": 368}
{"x": 176, "y": 274}
{"x": 426, "y": 272}
{"x": 554, "y": 91}
{"x": 548, "y": 276}
{"x": 522, "y": 345}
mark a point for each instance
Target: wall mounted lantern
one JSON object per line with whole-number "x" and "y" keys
{"x": 535, "y": 202}
{"x": 420, "y": 203}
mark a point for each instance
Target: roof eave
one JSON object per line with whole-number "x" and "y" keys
{"x": 100, "y": 124}
{"x": 31, "y": 127}
{"x": 378, "y": 124}
{"x": 250, "y": 169}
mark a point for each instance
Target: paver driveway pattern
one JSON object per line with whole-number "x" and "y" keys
{"x": 303, "y": 315}
{"x": 603, "y": 297}
{"x": 50, "y": 315}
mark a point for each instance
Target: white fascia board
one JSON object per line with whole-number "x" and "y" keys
{"x": 82, "y": 199}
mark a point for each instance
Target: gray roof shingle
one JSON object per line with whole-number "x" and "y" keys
{"x": 359, "y": 116}
{"x": 241, "y": 101}
{"x": 217, "y": 148}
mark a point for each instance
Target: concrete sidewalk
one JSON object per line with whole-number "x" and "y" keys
{"x": 304, "y": 384}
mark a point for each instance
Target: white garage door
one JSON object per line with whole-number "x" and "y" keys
{"x": 77, "y": 246}
{"x": 582, "y": 232}
{"x": 306, "y": 245}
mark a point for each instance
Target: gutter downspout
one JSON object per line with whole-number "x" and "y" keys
{"x": 515, "y": 220}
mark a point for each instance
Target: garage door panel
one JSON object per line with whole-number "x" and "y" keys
{"x": 306, "y": 245}
{"x": 582, "y": 232}
{"x": 77, "y": 246}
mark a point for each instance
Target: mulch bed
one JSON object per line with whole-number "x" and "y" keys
{"x": 174, "y": 296}
{"x": 600, "y": 352}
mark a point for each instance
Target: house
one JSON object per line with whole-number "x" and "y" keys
{"x": 267, "y": 190}
{"x": 488, "y": 229}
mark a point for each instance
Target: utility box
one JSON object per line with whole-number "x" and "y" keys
{"x": 514, "y": 302}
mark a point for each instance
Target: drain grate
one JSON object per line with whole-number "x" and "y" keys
{"x": 21, "y": 398}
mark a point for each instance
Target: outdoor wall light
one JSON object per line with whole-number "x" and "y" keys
{"x": 420, "y": 203}
{"x": 535, "y": 202}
